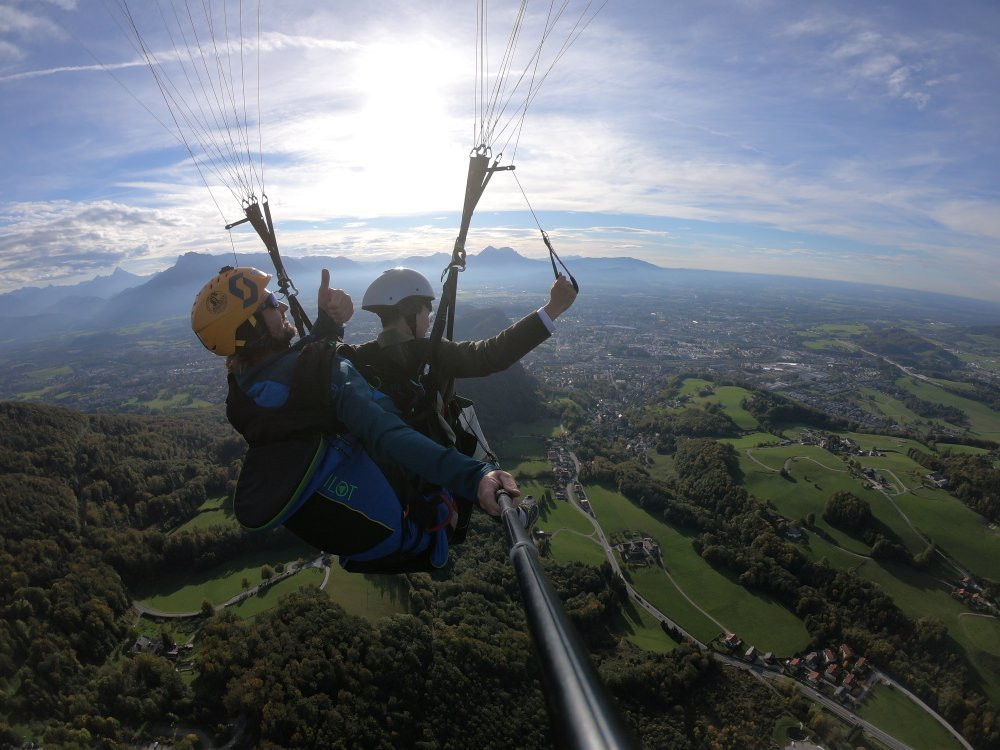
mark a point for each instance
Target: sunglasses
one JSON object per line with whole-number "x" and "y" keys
{"x": 270, "y": 302}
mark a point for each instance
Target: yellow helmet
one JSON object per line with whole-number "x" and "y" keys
{"x": 224, "y": 304}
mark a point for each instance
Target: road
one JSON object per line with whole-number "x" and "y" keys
{"x": 903, "y": 368}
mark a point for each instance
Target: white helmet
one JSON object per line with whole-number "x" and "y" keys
{"x": 393, "y": 286}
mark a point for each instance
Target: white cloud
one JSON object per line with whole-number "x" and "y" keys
{"x": 980, "y": 218}
{"x": 9, "y": 52}
{"x": 368, "y": 117}
{"x": 63, "y": 239}
{"x": 16, "y": 21}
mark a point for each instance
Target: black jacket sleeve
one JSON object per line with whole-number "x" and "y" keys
{"x": 474, "y": 359}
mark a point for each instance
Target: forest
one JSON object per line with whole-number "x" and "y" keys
{"x": 972, "y": 479}
{"x": 88, "y": 503}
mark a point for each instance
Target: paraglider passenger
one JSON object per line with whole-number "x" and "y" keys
{"x": 403, "y": 300}
{"x": 328, "y": 457}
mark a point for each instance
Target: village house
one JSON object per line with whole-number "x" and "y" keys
{"x": 846, "y": 652}
{"x": 145, "y": 645}
{"x": 830, "y": 675}
{"x": 751, "y": 653}
{"x": 732, "y": 641}
{"x": 828, "y": 656}
{"x": 936, "y": 479}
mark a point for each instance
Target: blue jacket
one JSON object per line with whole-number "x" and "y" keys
{"x": 371, "y": 417}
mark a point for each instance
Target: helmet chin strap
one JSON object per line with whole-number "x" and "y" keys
{"x": 411, "y": 321}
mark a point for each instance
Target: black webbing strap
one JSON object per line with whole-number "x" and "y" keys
{"x": 264, "y": 227}
{"x": 480, "y": 172}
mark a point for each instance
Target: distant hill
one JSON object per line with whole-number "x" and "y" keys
{"x": 123, "y": 299}
{"x": 908, "y": 349}
{"x": 31, "y": 300}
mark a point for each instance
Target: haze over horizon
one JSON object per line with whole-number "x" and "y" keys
{"x": 843, "y": 141}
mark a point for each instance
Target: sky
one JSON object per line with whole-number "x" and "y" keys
{"x": 850, "y": 140}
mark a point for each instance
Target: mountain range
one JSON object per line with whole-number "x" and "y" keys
{"x": 126, "y": 299}
{"x": 123, "y": 299}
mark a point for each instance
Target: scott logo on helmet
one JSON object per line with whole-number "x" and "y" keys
{"x": 244, "y": 289}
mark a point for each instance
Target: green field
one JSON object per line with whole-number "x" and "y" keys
{"x": 214, "y": 512}
{"x": 570, "y": 546}
{"x": 526, "y": 440}
{"x": 955, "y": 448}
{"x": 876, "y": 402}
{"x": 254, "y": 605}
{"x": 564, "y": 516}
{"x": 962, "y": 533}
{"x": 165, "y": 401}
{"x": 983, "y": 632}
{"x": 848, "y": 329}
{"x": 663, "y": 467}
{"x": 50, "y": 372}
{"x": 890, "y": 710}
{"x": 831, "y": 336}
{"x": 813, "y": 476}
{"x": 691, "y": 386}
{"x": 727, "y": 396}
{"x": 756, "y": 618}
{"x": 959, "y": 531}
{"x": 368, "y": 596}
{"x": 642, "y": 629}
{"x": 667, "y": 598}
{"x": 983, "y": 420}
{"x": 753, "y": 440}
{"x": 185, "y": 592}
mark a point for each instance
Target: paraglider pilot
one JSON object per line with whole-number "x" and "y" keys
{"x": 329, "y": 457}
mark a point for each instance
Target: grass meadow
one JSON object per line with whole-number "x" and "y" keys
{"x": 878, "y": 403}
{"x": 643, "y": 630}
{"x": 570, "y": 546}
{"x": 756, "y": 618}
{"x": 962, "y": 533}
{"x": 184, "y": 592}
{"x": 254, "y": 605}
{"x": 213, "y": 512}
{"x": 727, "y": 396}
{"x": 955, "y": 448}
{"x": 983, "y": 421}
{"x": 368, "y": 596}
{"x": 895, "y": 713}
{"x": 561, "y": 514}
{"x": 165, "y": 400}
